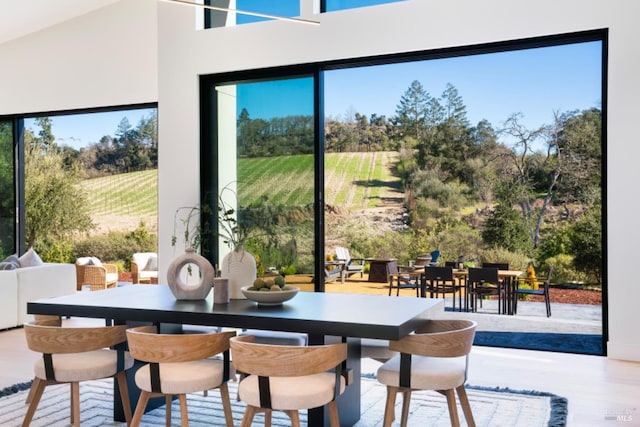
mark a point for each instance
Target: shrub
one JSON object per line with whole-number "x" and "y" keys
{"x": 516, "y": 260}
{"x": 116, "y": 246}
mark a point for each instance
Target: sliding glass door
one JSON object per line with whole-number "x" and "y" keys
{"x": 262, "y": 181}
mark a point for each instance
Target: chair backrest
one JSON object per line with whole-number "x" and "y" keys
{"x": 498, "y": 265}
{"x": 146, "y": 261}
{"x": 392, "y": 268}
{"x": 284, "y": 361}
{"x": 342, "y": 253}
{"x": 46, "y": 337}
{"x": 438, "y": 338}
{"x": 438, "y": 273}
{"x": 483, "y": 275}
{"x": 451, "y": 264}
{"x": 148, "y": 346}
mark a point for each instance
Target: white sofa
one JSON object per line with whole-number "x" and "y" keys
{"x": 19, "y": 286}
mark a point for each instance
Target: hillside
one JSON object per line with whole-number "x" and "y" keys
{"x": 361, "y": 182}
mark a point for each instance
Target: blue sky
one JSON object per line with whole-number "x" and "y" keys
{"x": 533, "y": 82}
{"x": 81, "y": 130}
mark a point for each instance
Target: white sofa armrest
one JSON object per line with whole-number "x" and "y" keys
{"x": 45, "y": 281}
{"x": 8, "y": 298}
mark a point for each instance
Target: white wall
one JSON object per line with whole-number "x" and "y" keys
{"x": 409, "y": 26}
{"x": 104, "y": 58}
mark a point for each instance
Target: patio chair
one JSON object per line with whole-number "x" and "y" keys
{"x": 434, "y": 357}
{"x": 288, "y": 378}
{"x": 351, "y": 265}
{"x": 524, "y": 287}
{"x": 93, "y": 272}
{"x": 144, "y": 267}
{"x": 403, "y": 280}
{"x": 440, "y": 280}
{"x": 481, "y": 283}
{"x": 334, "y": 270}
{"x": 498, "y": 265}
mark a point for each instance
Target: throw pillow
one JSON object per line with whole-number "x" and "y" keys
{"x": 95, "y": 261}
{"x": 152, "y": 264}
{"x": 30, "y": 259}
{"x": 8, "y": 265}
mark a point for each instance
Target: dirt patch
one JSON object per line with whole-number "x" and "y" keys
{"x": 570, "y": 296}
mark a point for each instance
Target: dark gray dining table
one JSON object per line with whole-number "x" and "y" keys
{"x": 326, "y": 317}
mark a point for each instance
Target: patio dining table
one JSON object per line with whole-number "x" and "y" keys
{"x": 509, "y": 279}
{"x": 325, "y": 317}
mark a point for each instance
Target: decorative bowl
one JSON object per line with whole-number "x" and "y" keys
{"x": 269, "y": 297}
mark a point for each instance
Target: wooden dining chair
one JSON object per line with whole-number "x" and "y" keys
{"x": 74, "y": 354}
{"x": 288, "y": 378}
{"x": 178, "y": 364}
{"x": 434, "y": 357}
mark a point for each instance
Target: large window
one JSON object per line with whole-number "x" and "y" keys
{"x": 495, "y": 154}
{"x": 7, "y": 190}
{"x": 265, "y": 169}
{"x": 334, "y": 5}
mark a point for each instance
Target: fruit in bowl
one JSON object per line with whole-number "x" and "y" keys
{"x": 269, "y": 290}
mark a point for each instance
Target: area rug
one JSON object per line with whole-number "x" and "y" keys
{"x": 545, "y": 341}
{"x": 490, "y": 406}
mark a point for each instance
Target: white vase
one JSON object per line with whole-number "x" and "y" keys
{"x": 239, "y": 266}
{"x": 190, "y": 285}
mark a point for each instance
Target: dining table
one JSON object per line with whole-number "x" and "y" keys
{"x": 325, "y": 317}
{"x": 509, "y": 278}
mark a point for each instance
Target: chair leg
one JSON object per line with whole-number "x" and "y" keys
{"x": 295, "y": 418}
{"x": 267, "y": 417}
{"x": 466, "y": 407}
{"x": 334, "y": 418}
{"x": 121, "y": 378}
{"x": 451, "y": 403}
{"x": 184, "y": 413}
{"x": 247, "y": 418}
{"x": 226, "y": 404}
{"x": 389, "y": 409}
{"x": 35, "y": 399}
{"x": 140, "y": 407}
{"x": 75, "y": 404}
{"x": 32, "y": 389}
{"x": 547, "y": 303}
{"x": 167, "y": 410}
{"x": 406, "y": 402}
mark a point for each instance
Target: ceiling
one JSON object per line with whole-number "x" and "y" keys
{"x": 21, "y": 17}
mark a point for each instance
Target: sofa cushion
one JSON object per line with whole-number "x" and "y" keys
{"x": 30, "y": 259}
{"x": 152, "y": 264}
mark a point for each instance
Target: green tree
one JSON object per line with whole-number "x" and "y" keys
{"x": 506, "y": 228}
{"x": 7, "y": 199}
{"x": 55, "y": 207}
{"x": 586, "y": 243}
{"x": 411, "y": 112}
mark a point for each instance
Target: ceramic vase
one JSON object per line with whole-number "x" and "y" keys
{"x": 239, "y": 266}
{"x": 193, "y": 283}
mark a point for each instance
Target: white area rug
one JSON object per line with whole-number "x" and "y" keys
{"x": 490, "y": 408}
